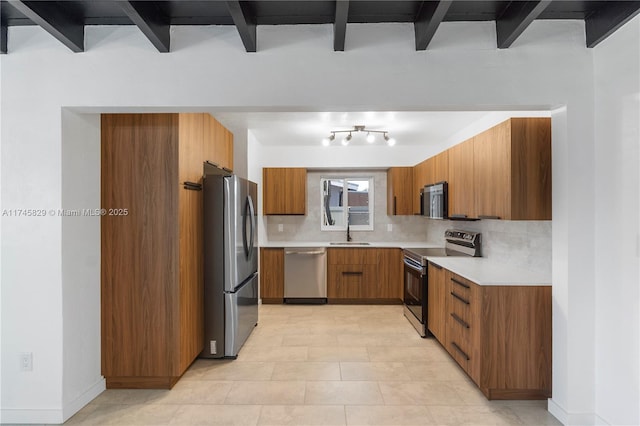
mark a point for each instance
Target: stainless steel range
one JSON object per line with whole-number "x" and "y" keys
{"x": 458, "y": 243}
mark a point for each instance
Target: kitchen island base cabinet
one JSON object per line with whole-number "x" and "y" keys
{"x": 500, "y": 336}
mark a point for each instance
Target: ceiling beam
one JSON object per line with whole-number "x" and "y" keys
{"x": 340, "y": 25}
{"x": 53, "y": 20}
{"x": 3, "y": 37}
{"x": 148, "y": 18}
{"x": 605, "y": 21}
{"x": 516, "y": 18}
{"x": 245, "y": 23}
{"x": 429, "y": 18}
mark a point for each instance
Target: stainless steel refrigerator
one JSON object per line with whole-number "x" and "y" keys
{"x": 230, "y": 264}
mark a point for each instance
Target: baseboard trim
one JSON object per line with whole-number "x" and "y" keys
{"x": 567, "y": 418}
{"x": 89, "y": 395}
{"x": 52, "y": 416}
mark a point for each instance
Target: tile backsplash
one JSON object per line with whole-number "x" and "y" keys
{"x": 307, "y": 228}
{"x": 522, "y": 243}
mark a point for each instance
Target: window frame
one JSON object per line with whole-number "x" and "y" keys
{"x": 345, "y": 201}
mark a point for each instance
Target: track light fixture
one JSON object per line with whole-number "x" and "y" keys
{"x": 371, "y": 138}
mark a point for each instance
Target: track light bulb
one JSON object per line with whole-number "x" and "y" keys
{"x": 370, "y": 138}
{"x": 325, "y": 142}
{"x": 346, "y": 139}
{"x": 391, "y": 141}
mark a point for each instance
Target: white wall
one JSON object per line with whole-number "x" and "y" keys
{"x": 80, "y": 261}
{"x": 294, "y": 68}
{"x": 617, "y": 236}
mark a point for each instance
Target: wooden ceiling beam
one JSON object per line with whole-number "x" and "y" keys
{"x": 340, "y": 25}
{"x": 53, "y": 20}
{"x": 149, "y": 19}
{"x": 428, "y": 20}
{"x": 3, "y": 37}
{"x": 516, "y": 18}
{"x": 245, "y": 22}
{"x": 605, "y": 21}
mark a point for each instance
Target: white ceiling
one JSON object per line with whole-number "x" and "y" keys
{"x": 407, "y": 127}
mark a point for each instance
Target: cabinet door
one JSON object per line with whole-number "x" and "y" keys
{"x": 436, "y": 302}
{"x": 284, "y": 191}
{"x": 461, "y": 179}
{"x": 440, "y": 166}
{"x": 296, "y": 196}
{"x": 272, "y": 275}
{"x": 139, "y": 252}
{"x": 420, "y": 179}
{"x": 531, "y": 168}
{"x": 400, "y": 191}
{"x": 218, "y": 143}
{"x": 492, "y": 171}
{"x": 191, "y": 144}
{"x": 223, "y": 152}
{"x": 388, "y": 283}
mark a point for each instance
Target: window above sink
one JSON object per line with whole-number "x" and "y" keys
{"x": 346, "y": 200}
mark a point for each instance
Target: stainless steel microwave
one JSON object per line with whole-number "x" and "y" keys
{"x": 434, "y": 201}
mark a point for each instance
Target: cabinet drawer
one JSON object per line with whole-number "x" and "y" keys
{"x": 459, "y": 306}
{"x": 350, "y": 281}
{"x": 352, "y": 256}
{"x": 460, "y": 286}
{"x": 459, "y": 345}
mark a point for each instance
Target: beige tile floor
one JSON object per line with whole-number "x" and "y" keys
{"x": 320, "y": 365}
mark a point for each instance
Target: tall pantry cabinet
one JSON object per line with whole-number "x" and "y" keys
{"x": 151, "y": 246}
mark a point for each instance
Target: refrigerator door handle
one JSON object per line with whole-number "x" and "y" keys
{"x": 248, "y": 214}
{"x": 252, "y": 212}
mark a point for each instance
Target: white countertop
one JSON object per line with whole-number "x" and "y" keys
{"x": 483, "y": 271}
{"x": 480, "y": 270}
{"x": 371, "y": 244}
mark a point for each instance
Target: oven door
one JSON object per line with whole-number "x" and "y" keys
{"x": 415, "y": 292}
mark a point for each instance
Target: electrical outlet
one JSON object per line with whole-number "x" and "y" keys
{"x": 389, "y": 227}
{"x": 280, "y": 227}
{"x": 26, "y": 361}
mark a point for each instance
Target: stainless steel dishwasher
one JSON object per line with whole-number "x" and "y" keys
{"x": 305, "y": 275}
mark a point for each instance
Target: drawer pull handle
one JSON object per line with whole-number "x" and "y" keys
{"x": 457, "y": 348}
{"x": 460, "y": 283}
{"x": 460, "y": 320}
{"x": 351, "y": 272}
{"x": 460, "y": 298}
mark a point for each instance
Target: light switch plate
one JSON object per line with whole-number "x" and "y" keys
{"x": 389, "y": 227}
{"x": 280, "y": 227}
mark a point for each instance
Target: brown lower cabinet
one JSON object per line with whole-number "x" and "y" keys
{"x": 499, "y": 335}
{"x": 272, "y": 275}
{"x": 354, "y": 275}
{"x": 364, "y": 275}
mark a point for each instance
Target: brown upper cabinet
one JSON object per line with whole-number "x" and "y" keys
{"x": 284, "y": 191}
{"x": 461, "y": 180}
{"x": 400, "y": 191}
{"x": 432, "y": 170}
{"x": 151, "y": 257}
{"x": 218, "y": 142}
{"x": 512, "y": 170}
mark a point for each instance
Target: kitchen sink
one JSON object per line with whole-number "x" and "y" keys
{"x": 350, "y": 244}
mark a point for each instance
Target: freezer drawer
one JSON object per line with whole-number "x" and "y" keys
{"x": 241, "y": 312}
{"x": 305, "y": 274}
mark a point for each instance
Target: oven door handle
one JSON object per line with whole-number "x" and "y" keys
{"x": 412, "y": 266}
